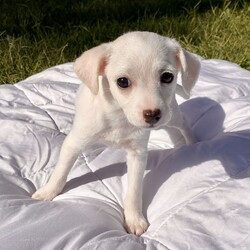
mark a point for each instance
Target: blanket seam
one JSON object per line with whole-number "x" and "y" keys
{"x": 39, "y": 107}
{"x": 114, "y": 200}
{"x": 148, "y": 238}
{"x": 194, "y": 198}
{"x": 118, "y": 238}
{"x": 185, "y": 204}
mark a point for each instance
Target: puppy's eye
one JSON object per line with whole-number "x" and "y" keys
{"x": 167, "y": 77}
{"x": 123, "y": 82}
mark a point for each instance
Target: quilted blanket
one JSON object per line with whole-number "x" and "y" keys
{"x": 195, "y": 197}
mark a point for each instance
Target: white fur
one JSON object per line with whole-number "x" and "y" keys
{"x": 107, "y": 113}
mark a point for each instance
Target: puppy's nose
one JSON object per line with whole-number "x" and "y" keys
{"x": 152, "y": 116}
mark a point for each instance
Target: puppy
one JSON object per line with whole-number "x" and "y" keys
{"x": 128, "y": 89}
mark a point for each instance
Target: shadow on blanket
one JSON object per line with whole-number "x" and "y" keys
{"x": 206, "y": 118}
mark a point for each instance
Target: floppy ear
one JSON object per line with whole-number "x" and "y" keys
{"x": 91, "y": 64}
{"x": 189, "y": 66}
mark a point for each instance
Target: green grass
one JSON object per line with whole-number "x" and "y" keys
{"x": 35, "y": 35}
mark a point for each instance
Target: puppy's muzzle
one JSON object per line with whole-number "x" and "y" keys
{"x": 152, "y": 116}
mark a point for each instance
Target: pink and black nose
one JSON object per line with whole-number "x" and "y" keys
{"x": 152, "y": 116}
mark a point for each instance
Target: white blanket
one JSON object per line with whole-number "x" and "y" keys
{"x": 195, "y": 197}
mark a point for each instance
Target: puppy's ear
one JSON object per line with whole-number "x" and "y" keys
{"x": 91, "y": 64}
{"x": 189, "y": 66}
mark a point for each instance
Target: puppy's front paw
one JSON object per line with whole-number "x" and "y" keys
{"x": 46, "y": 193}
{"x": 135, "y": 223}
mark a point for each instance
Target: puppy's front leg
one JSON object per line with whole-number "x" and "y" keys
{"x": 134, "y": 220}
{"x": 70, "y": 150}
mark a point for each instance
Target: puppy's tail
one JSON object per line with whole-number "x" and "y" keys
{"x": 181, "y": 92}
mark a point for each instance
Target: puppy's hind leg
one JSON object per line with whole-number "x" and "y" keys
{"x": 178, "y": 121}
{"x": 71, "y": 148}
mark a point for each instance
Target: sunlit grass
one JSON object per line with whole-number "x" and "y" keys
{"x": 221, "y": 31}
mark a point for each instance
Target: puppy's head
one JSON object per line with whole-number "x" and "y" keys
{"x": 141, "y": 69}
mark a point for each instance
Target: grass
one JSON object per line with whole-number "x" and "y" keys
{"x": 35, "y": 35}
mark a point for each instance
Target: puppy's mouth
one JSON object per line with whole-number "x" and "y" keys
{"x": 150, "y": 126}
{"x": 146, "y": 126}
{"x": 154, "y": 126}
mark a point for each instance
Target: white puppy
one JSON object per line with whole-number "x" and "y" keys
{"x": 129, "y": 89}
